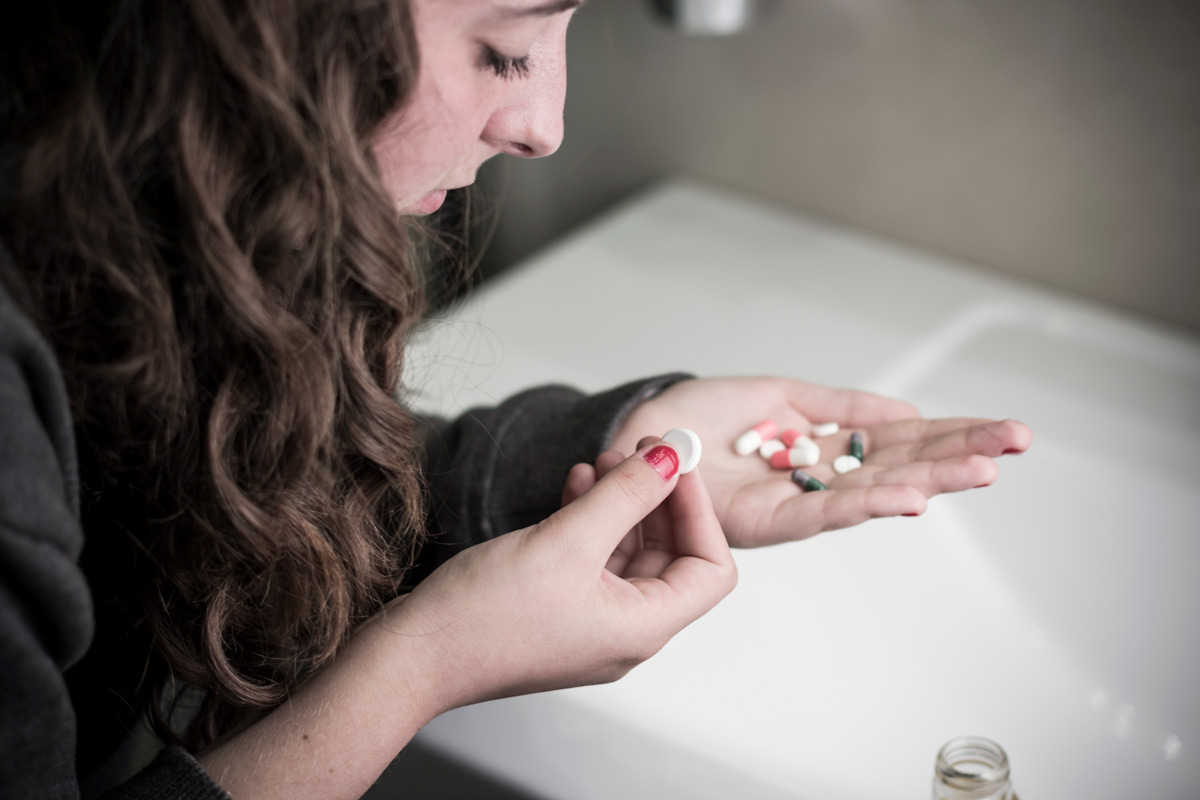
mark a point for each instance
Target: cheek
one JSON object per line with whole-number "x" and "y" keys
{"x": 409, "y": 158}
{"x": 438, "y": 130}
{"x": 390, "y": 151}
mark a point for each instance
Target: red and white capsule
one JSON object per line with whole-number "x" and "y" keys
{"x": 789, "y": 437}
{"x": 753, "y": 439}
{"x": 804, "y": 452}
{"x": 770, "y": 448}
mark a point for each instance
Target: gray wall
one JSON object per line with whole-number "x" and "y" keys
{"x": 1053, "y": 140}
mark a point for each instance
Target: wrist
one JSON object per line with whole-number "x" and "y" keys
{"x": 409, "y": 658}
{"x": 341, "y": 728}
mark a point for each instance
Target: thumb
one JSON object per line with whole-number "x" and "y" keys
{"x": 601, "y": 517}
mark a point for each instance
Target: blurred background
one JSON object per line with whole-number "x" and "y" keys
{"x": 1056, "y": 141}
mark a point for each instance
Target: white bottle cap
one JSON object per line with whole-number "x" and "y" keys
{"x": 687, "y": 444}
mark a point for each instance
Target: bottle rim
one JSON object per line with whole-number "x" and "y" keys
{"x": 972, "y": 764}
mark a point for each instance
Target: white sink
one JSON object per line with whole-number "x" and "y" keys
{"x": 1056, "y": 612}
{"x": 1097, "y": 536}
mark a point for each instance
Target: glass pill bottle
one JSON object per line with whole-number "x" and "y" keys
{"x": 972, "y": 768}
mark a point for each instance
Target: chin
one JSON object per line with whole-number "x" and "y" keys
{"x": 426, "y": 204}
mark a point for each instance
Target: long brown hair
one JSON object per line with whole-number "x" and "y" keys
{"x": 203, "y": 237}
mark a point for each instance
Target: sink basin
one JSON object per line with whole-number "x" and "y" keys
{"x": 1056, "y": 612}
{"x": 1097, "y": 535}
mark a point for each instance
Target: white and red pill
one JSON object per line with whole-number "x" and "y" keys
{"x": 770, "y": 448}
{"x": 804, "y": 452}
{"x": 754, "y": 438}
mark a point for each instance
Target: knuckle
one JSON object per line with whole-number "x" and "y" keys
{"x": 731, "y": 577}
{"x": 980, "y": 463}
{"x": 644, "y": 652}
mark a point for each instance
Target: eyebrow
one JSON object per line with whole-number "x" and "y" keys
{"x": 546, "y": 10}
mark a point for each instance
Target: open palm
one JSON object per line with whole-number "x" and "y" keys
{"x": 908, "y": 459}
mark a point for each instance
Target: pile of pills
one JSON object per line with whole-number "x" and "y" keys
{"x": 791, "y": 450}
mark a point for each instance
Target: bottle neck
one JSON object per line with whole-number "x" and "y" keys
{"x": 972, "y": 768}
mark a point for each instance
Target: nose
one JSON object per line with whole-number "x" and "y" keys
{"x": 529, "y": 124}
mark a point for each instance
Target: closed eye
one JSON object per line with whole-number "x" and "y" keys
{"x": 507, "y": 67}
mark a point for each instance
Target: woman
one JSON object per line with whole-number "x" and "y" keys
{"x": 210, "y": 214}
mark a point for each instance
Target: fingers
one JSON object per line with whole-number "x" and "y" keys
{"x": 783, "y": 514}
{"x": 660, "y": 535}
{"x": 684, "y": 525}
{"x": 581, "y": 478}
{"x": 620, "y": 499}
{"x": 925, "y": 440}
{"x": 680, "y": 541}
{"x": 907, "y": 462}
{"x": 698, "y": 532}
{"x": 847, "y": 407}
{"x": 929, "y": 477}
{"x": 631, "y": 545}
{"x": 698, "y": 570}
{"x": 844, "y": 508}
{"x": 609, "y": 459}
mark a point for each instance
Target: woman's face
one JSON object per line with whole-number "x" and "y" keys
{"x": 493, "y": 80}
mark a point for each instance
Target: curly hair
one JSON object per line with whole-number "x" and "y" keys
{"x": 203, "y": 237}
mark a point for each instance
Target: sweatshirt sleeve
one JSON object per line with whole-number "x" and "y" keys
{"x": 499, "y": 469}
{"x": 45, "y": 606}
{"x": 46, "y": 616}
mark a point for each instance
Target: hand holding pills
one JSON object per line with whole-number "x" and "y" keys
{"x": 905, "y": 459}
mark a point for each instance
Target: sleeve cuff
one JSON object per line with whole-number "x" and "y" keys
{"x": 174, "y": 774}
{"x": 501, "y": 469}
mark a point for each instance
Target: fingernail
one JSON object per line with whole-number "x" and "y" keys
{"x": 983, "y": 486}
{"x": 1012, "y": 451}
{"x": 910, "y": 515}
{"x": 664, "y": 459}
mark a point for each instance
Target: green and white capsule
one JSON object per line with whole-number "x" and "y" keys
{"x": 856, "y": 446}
{"x": 807, "y": 482}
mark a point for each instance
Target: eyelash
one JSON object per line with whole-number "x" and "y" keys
{"x": 505, "y": 67}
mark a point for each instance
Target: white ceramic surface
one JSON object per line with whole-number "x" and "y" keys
{"x": 1055, "y": 612}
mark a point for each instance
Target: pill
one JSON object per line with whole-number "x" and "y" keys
{"x": 856, "y": 445}
{"x": 806, "y": 481}
{"x": 804, "y": 453}
{"x": 825, "y": 429}
{"x": 753, "y": 439}
{"x": 687, "y": 444}
{"x": 789, "y": 436}
{"x": 771, "y": 448}
{"x": 844, "y": 464}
